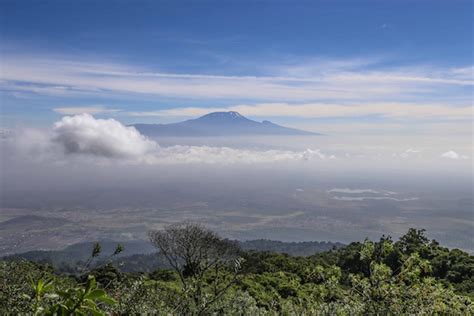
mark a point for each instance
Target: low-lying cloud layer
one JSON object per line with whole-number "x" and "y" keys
{"x": 359, "y": 191}
{"x": 453, "y": 155}
{"x": 346, "y": 194}
{"x": 88, "y": 139}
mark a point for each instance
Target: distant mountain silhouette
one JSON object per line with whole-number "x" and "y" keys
{"x": 218, "y": 124}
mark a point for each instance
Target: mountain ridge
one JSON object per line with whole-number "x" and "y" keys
{"x": 140, "y": 255}
{"x": 218, "y": 124}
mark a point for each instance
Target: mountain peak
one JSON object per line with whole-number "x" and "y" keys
{"x": 228, "y": 114}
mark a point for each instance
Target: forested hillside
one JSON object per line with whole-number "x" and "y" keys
{"x": 140, "y": 256}
{"x": 206, "y": 275}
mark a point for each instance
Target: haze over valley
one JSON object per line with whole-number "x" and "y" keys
{"x": 106, "y": 181}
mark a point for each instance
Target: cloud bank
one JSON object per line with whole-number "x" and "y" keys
{"x": 83, "y": 136}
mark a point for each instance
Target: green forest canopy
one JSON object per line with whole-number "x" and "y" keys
{"x": 211, "y": 275}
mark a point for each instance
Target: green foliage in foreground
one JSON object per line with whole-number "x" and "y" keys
{"x": 410, "y": 276}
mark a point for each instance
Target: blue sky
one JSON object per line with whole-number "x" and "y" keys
{"x": 371, "y": 66}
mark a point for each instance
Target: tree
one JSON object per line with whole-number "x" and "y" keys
{"x": 206, "y": 264}
{"x": 413, "y": 241}
{"x": 411, "y": 291}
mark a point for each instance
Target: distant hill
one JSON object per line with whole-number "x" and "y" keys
{"x": 140, "y": 255}
{"x": 30, "y": 222}
{"x": 303, "y": 248}
{"x": 218, "y": 124}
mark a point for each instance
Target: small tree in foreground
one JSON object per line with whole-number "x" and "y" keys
{"x": 206, "y": 264}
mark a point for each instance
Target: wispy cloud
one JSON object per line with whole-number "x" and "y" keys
{"x": 337, "y": 80}
{"x": 326, "y": 110}
{"x": 73, "y": 110}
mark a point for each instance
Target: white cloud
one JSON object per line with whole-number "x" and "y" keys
{"x": 465, "y": 73}
{"x": 74, "y": 110}
{"x": 83, "y": 134}
{"x": 363, "y": 198}
{"x": 409, "y": 152}
{"x": 346, "y": 194}
{"x": 453, "y": 155}
{"x": 358, "y": 191}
